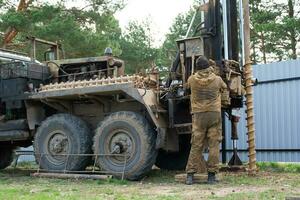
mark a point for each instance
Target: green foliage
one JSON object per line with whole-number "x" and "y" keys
{"x": 87, "y": 31}
{"x": 178, "y": 30}
{"x": 82, "y": 32}
{"x": 275, "y": 30}
{"x": 14, "y": 19}
{"x": 137, "y": 47}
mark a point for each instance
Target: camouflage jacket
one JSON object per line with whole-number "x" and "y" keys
{"x": 206, "y": 88}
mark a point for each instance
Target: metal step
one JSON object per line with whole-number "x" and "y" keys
{"x": 183, "y": 128}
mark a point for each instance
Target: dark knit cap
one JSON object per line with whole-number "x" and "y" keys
{"x": 202, "y": 63}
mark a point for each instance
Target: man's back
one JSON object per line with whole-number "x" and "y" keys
{"x": 206, "y": 90}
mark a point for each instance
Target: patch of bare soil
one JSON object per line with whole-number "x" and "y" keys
{"x": 197, "y": 191}
{"x": 260, "y": 183}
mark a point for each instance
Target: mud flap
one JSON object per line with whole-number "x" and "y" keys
{"x": 161, "y": 138}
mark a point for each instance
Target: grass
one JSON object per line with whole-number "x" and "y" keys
{"x": 279, "y": 167}
{"x": 16, "y": 184}
{"x": 269, "y": 194}
{"x": 160, "y": 176}
{"x": 244, "y": 179}
{"x": 27, "y": 165}
{"x": 113, "y": 182}
{"x": 274, "y": 181}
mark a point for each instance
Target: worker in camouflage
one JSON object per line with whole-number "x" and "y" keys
{"x": 206, "y": 88}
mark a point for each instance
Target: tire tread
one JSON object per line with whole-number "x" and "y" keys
{"x": 149, "y": 136}
{"x": 83, "y": 133}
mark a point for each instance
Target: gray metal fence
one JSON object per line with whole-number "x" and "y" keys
{"x": 277, "y": 114}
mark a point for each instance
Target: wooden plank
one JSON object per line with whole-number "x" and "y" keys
{"x": 198, "y": 178}
{"x": 71, "y": 176}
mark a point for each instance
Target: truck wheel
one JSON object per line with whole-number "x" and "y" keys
{"x": 59, "y": 135}
{"x": 6, "y": 156}
{"x": 125, "y": 134}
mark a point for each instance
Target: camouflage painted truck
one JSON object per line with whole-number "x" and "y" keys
{"x": 86, "y": 106}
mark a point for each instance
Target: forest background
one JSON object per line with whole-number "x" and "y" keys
{"x": 86, "y": 31}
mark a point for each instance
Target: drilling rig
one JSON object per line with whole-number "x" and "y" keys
{"x": 80, "y": 110}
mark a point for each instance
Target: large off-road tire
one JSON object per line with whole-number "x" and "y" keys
{"x": 59, "y": 135}
{"x": 6, "y": 156}
{"x": 175, "y": 160}
{"x": 125, "y": 133}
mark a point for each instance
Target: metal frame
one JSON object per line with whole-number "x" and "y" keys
{"x": 55, "y": 45}
{"x": 278, "y": 80}
{"x": 65, "y": 171}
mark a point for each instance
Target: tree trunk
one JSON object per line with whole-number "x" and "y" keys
{"x": 263, "y": 47}
{"x": 254, "y": 55}
{"x": 292, "y": 30}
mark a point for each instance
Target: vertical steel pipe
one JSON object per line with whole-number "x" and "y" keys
{"x": 242, "y": 32}
{"x": 225, "y": 29}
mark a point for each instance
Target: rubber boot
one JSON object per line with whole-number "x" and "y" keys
{"x": 211, "y": 178}
{"x": 189, "y": 179}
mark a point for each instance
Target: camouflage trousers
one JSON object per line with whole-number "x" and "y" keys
{"x": 207, "y": 127}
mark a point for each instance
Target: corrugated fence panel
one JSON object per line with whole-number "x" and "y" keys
{"x": 277, "y": 114}
{"x": 279, "y": 70}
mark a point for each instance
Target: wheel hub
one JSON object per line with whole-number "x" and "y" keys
{"x": 58, "y": 144}
{"x": 121, "y": 143}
